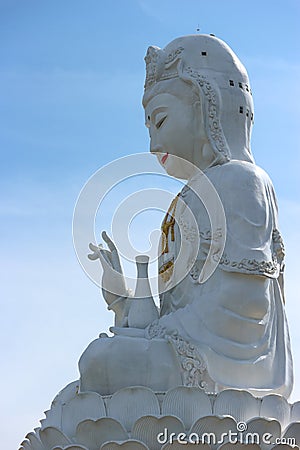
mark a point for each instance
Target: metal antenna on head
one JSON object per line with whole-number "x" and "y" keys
{"x": 198, "y": 28}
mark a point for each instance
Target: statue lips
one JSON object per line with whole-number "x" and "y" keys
{"x": 164, "y": 158}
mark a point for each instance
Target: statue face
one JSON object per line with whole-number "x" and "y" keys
{"x": 171, "y": 124}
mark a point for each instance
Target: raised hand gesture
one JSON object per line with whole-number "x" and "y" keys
{"x": 114, "y": 288}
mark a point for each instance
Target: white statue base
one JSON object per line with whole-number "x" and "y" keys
{"x": 137, "y": 418}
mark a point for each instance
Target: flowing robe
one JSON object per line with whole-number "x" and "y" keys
{"x": 236, "y": 319}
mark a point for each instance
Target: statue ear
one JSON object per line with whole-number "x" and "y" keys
{"x": 199, "y": 128}
{"x": 199, "y": 119}
{"x": 202, "y": 146}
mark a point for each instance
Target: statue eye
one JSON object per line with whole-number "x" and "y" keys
{"x": 160, "y": 122}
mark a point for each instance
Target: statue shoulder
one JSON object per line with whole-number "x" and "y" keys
{"x": 239, "y": 175}
{"x": 246, "y": 193}
{"x": 239, "y": 184}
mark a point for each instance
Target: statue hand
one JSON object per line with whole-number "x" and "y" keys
{"x": 113, "y": 283}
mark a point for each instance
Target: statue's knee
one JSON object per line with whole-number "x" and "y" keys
{"x": 142, "y": 362}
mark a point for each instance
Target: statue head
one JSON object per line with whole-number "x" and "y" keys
{"x": 198, "y": 90}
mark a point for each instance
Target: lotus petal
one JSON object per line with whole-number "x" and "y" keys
{"x": 292, "y": 432}
{"x": 211, "y": 429}
{"x": 295, "y": 413}
{"x": 54, "y": 414}
{"x": 129, "y": 404}
{"x": 187, "y": 403}
{"x": 45, "y": 424}
{"x": 93, "y": 434}
{"x": 25, "y": 445}
{"x": 52, "y": 437}
{"x": 34, "y": 441}
{"x": 239, "y": 404}
{"x": 276, "y": 407}
{"x": 284, "y": 447}
{"x": 178, "y": 445}
{"x": 86, "y": 405}
{"x": 128, "y": 445}
{"x": 71, "y": 447}
{"x": 239, "y": 446}
{"x": 258, "y": 427}
{"x": 147, "y": 429}
{"x": 53, "y": 417}
{"x": 67, "y": 393}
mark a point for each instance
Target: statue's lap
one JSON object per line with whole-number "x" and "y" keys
{"x": 142, "y": 362}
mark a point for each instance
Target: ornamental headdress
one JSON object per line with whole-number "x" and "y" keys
{"x": 223, "y": 85}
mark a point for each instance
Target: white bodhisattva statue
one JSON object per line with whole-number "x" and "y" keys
{"x": 228, "y": 330}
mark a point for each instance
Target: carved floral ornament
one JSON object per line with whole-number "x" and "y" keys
{"x": 194, "y": 371}
{"x": 157, "y": 63}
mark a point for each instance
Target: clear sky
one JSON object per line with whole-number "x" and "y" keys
{"x": 71, "y": 81}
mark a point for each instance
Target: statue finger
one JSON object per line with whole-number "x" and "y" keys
{"x": 109, "y": 242}
{"x": 93, "y": 256}
{"x": 94, "y": 247}
{"x": 114, "y": 252}
{"x": 105, "y": 258}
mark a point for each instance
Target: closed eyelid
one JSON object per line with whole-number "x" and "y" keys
{"x": 155, "y": 112}
{"x": 160, "y": 120}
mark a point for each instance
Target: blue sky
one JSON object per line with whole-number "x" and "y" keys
{"x": 71, "y": 81}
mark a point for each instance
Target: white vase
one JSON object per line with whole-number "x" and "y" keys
{"x": 142, "y": 309}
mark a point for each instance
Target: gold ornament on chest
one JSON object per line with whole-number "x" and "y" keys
{"x": 168, "y": 232}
